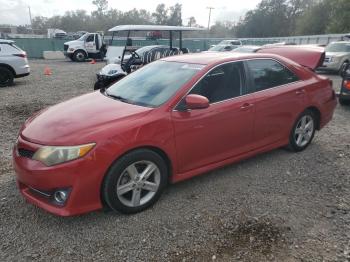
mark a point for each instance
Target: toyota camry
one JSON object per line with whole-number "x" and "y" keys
{"x": 171, "y": 120}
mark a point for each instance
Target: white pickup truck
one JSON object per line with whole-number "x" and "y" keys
{"x": 90, "y": 45}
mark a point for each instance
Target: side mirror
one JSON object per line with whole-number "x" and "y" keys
{"x": 196, "y": 102}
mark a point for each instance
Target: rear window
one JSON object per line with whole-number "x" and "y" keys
{"x": 9, "y": 47}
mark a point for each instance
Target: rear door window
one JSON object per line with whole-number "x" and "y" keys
{"x": 268, "y": 73}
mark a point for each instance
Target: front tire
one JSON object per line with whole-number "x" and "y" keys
{"x": 303, "y": 131}
{"x": 6, "y": 77}
{"x": 79, "y": 56}
{"x": 135, "y": 181}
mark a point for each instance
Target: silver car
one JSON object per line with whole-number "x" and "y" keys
{"x": 337, "y": 56}
{"x": 13, "y": 62}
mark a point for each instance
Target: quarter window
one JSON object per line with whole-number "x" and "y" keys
{"x": 268, "y": 73}
{"x": 222, "y": 83}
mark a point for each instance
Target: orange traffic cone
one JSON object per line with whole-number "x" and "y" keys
{"x": 47, "y": 71}
{"x": 93, "y": 62}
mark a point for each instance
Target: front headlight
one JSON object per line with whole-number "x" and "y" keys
{"x": 112, "y": 72}
{"x": 53, "y": 155}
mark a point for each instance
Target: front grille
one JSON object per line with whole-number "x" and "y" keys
{"x": 327, "y": 59}
{"x": 65, "y": 47}
{"x": 25, "y": 153}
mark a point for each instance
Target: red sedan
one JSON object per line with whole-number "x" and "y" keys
{"x": 171, "y": 120}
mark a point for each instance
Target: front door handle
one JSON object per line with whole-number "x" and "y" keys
{"x": 246, "y": 106}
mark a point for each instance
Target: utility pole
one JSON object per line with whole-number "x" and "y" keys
{"x": 30, "y": 18}
{"x": 210, "y": 8}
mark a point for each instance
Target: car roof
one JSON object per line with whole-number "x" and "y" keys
{"x": 214, "y": 57}
{"x": 5, "y": 41}
{"x": 153, "y": 28}
{"x": 340, "y": 42}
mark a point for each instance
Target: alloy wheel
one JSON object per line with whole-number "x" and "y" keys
{"x": 138, "y": 183}
{"x": 304, "y": 130}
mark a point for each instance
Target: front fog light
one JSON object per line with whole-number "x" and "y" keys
{"x": 60, "y": 196}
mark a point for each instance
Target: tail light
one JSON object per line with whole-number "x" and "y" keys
{"x": 24, "y": 55}
{"x": 346, "y": 84}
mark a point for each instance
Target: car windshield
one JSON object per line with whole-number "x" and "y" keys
{"x": 154, "y": 84}
{"x": 338, "y": 47}
{"x": 144, "y": 49}
{"x": 217, "y": 48}
{"x": 245, "y": 49}
{"x": 83, "y": 37}
{"x": 230, "y": 42}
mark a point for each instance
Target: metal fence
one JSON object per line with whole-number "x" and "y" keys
{"x": 36, "y": 46}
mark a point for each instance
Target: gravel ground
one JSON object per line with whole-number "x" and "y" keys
{"x": 278, "y": 206}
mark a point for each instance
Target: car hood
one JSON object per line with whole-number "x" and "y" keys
{"x": 81, "y": 120}
{"x": 328, "y": 54}
{"x": 308, "y": 56}
{"x": 74, "y": 43}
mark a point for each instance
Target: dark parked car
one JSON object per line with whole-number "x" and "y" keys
{"x": 344, "y": 95}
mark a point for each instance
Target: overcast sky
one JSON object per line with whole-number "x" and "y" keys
{"x": 16, "y": 11}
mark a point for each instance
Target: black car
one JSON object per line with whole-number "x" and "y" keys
{"x": 344, "y": 95}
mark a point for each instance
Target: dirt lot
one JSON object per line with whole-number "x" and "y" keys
{"x": 278, "y": 206}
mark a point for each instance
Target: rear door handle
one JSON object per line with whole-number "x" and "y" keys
{"x": 246, "y": 106}
{"x": 300, "y": 92}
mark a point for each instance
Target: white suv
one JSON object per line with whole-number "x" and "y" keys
{"x": 13, "y": 62}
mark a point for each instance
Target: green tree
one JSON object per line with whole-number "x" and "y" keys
{"x": 161, "y": 15}
{"x": 175, "y": 16}
{"x": 192, "y": 21}
{"x": 314, "y": 20}
{"x": 102, "y": 7}
{"x": 339, "y": 16}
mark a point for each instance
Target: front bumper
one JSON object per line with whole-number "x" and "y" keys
{"x": 331, "y": 66}
{"x": 37, "y": 182}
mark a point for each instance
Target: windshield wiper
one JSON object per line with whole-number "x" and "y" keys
{"x": 116, "y": 97}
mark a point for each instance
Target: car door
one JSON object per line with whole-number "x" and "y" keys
{"x": 222, "y": 130}
{"x": 90, "y": 44}
{"x": 280, "y": 97}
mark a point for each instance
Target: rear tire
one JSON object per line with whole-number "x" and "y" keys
{"x": 79, "y": 56}
{"x": 135, "y": 181}
{"x": 303, "y": 131}
{"x": 6, "y": 77}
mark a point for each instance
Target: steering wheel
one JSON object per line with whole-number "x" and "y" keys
{"x": 135, "y": 54}
{"x": 127, "y": 66}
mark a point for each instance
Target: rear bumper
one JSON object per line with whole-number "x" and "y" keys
{"x": 327, "y": 111}
{"x": 22, "y": 75}
{"x": 37, "y": 182}
{"x": 22, "y": 70}
{"x": 344, "y": 94}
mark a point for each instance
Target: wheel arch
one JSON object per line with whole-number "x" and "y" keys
{"x": 84, "y": 51}
{"x": 9, "y": 68}
{"x": 155, "y": 149}
{"x": 317, "y": 114}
